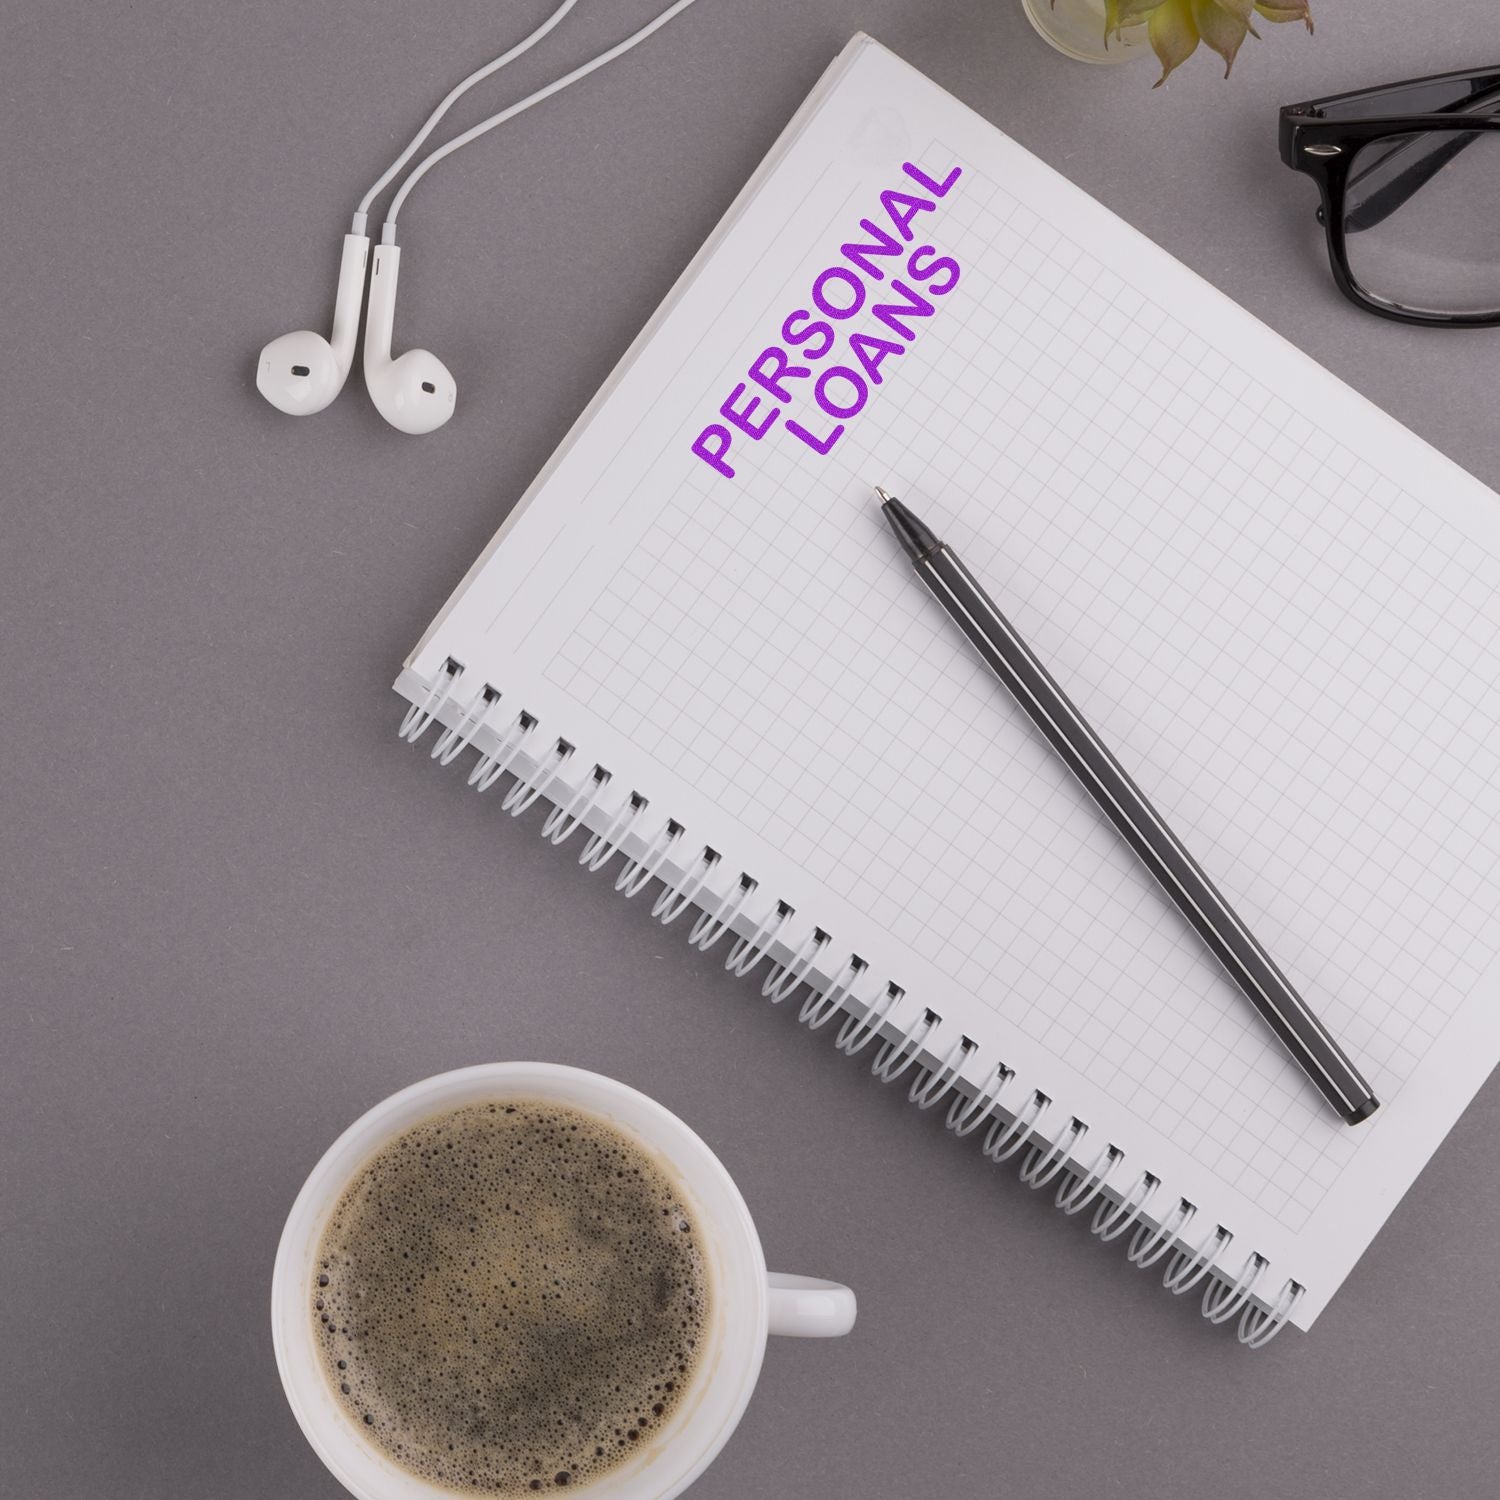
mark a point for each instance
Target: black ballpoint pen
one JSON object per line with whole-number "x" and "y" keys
{"x": 1123, "y": 802}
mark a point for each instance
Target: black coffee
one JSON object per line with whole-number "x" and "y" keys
{"x": 511, "y": 1297}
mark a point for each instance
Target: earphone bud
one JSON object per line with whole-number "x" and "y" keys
{"x": 301, "y": 372}
{"x": 414, "y": 393}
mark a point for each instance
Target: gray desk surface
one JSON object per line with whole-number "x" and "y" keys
{"x": 236, "y": 911}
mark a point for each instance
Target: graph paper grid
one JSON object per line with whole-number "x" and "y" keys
{"x": 1290, "y": 653}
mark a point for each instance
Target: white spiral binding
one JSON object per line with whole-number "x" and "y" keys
{"x": 783, "y": 980}
{"x": 1185, "y": 1271}
{"x": 636, "y": 874}
{"x": 560, "y": 824}
{"x": 967, "y": 1114}
{"x": 820, "y": 1007}
{"x": 674, "y": 898}
{"x": 1223, "y": 1299}
{"x": 419, "y": 716}
{"x": 526, "y": 789}
{"x": 1112, "y": 1219}
{"x": 894, "y": 1058}
{"x": 1040, "y": 1168}
{"x": 745, "y": 953}
{"x": 488, "y": 769}
{"x": 857, "y": 1032}
{"x": 929, "y": 1087}
{"x": 1078, "y": 1189}
{"x": 599, "y": 848}
{"x": 1258, "y": 1327}
{"x": 1004, "y": 1138}
{"x": 711, "y": 926}
{"x": 451, "y": 743}
{"x": 1012, "y": 1126}
{"x": 1148, "y": 1244}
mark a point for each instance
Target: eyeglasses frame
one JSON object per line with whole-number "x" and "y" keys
{"x": 1325, "y": 149}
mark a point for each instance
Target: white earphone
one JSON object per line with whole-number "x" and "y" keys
{"x": 414, "y": 393}
{"x": 300, "y": 373}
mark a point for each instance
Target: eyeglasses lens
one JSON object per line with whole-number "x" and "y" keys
{"x": 1422, "y": 221}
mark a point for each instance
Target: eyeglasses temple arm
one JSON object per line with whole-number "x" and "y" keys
{"x": 1384, "y": 201}
{"x": 1380, "y": 205}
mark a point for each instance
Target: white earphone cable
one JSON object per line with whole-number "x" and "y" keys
{"x": 388, "y": 233}
{"x": 449, "y": 100}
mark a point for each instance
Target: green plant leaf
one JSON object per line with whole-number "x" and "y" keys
{"x": 1286, "y": 10}
{"x": 1173, "y": 34}
{"x": 1241, "y": 9}
{"x": 1131, "y": 12}
{"x": 1221, "y": 29}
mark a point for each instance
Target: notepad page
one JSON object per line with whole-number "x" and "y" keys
{"x": 1278, "y": 606}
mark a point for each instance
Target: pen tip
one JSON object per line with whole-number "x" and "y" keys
{"x": 917, "y": 538}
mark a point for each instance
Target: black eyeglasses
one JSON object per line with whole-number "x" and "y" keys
{"x": 1410, "y": 178}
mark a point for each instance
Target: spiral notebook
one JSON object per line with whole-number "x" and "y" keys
{"x": 696, "y": 641}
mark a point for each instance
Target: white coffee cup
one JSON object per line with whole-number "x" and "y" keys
{"x": 748, "y": 1302}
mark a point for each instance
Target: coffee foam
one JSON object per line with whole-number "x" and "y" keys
{"x": 510, "y": 1297}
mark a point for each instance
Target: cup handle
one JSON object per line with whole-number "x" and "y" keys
{"x": 802, "y": 1307}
